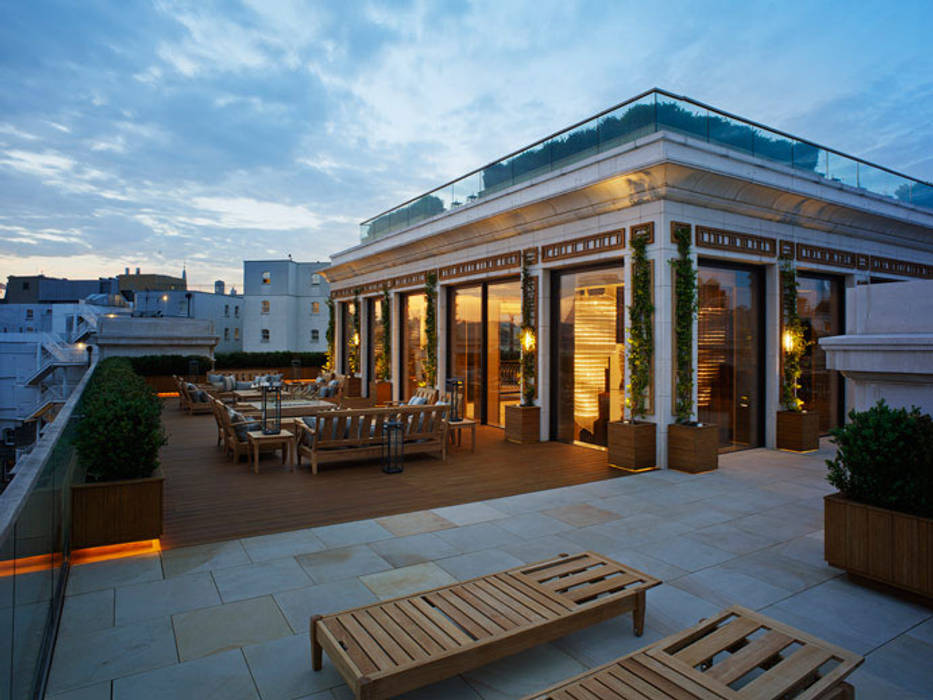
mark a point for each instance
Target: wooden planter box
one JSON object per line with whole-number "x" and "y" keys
{"x": 798, "y": 431}
{"x": 353, "y": 386}
{"x": 632, "y": 445}
{"x": 381, "y": 391}
{"x": 692, "y": 448}
{"x": 113, "y": 512}
{"x": 523, "y": 424}
{"x": 883, "y": 545}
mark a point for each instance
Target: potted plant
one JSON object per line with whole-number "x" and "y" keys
{"x": 691, "y": 446}
{"x": 354, "y": 384}
{"x": 523, "y": 421}
{"x": 632, "y": 443}
{"x": 797, "y": 430}
{"x": 381, "y": 388}
{"x": 880, "y": 523}
{"x": 118, "y": 440}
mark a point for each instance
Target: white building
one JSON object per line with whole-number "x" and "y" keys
{"x": 224, "y": 311}
{"x": 284, "y": 306}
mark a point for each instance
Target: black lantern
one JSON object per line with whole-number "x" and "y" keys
{"x": 392, "y": 447}
{"x": 454, "y": 387}
{"x": 271, "y": 408}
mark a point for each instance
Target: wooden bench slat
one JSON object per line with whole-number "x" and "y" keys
{"x": 522, "y": 596}
{"x": 787, "y": 674}
{"x": 594, "y": 573}
{"x": 591, "y": 690}
{"x": 359, "y": 655}
{"x": 552, "y": 601}
{"x": 493, "y": 604}
{"x": 401, "y": 635}
{"x": 456, "y": 616}
{"x": 378, "y": 637}
{"x": 609, "y": 585}
{"x": 716, "y": 641}
{"x": 675, "y": 683}
{"x": 626, "y": 684}
{"x": 560, "y": 567}
{"x": 744, "y": 660}
{"x": 526, "y": 612}
{"x": 451, "y": 595}
{"x": 414, "y": 629}
{"x": 450, "y": 629}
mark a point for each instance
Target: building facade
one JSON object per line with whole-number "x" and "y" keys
{"x": 39, "y": 289}
{"x": 224, "y": 311}
{"x": 284, "y": 306}
{"x": 571, "y": 204}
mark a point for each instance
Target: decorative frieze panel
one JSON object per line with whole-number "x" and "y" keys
{"x": 825, "y": 256}
{"x": 786, "y": 249}
{"x": 901, "y": 267}
{"x": 735, "y": 242}
{"x": 587, "y": 245}
{"x": 413, "y": 279}
{"x": 493, "y": 263}
{"x": 646, "y": 229}
{"x": 677, "y": 225}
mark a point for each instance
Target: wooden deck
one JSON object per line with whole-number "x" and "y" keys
{"x": 209, "y": 498}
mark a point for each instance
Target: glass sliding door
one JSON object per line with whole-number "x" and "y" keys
{"x": 503, "y": 349}
{"x": 466, "y": 346}
{"x": 376, "y": 358}
{"x": 346, "y": 336}
{"x": 730, "y": 366}
{"x": 588, "y": 353}
{"x": 414, "y": 340}
{"x": 820, "y": 305}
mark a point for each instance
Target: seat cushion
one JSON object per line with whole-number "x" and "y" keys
{"x": 417, "y": 401}
{"x": 239, "y": 427}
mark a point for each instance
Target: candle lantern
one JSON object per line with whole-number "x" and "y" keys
{"x": 271, "y": 408}
{"x": 454, "y": 387}
{"x": 392, "y": 447}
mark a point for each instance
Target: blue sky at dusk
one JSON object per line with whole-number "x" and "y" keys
{"x": 157, "y": 134}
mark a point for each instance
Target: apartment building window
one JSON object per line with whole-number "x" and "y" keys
{"x": 315, "y": 307}
{"x": 226, "y": 310}
{"x": 265, "y": 335}
{"x": 267, "y": 278}
{"x": 315, "y": 335}
{"x": 315, "y": 279}
{"x": 265, "y": 306}
{"x": 28, "y": 314}
{"x": 226, "y": 334}
{"x": 236, "y": 311}
{"x": 236, "y": 333}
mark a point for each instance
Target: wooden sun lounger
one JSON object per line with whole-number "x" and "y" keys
{"x": 394, "y": 646}
{"x": 736, "y": 654}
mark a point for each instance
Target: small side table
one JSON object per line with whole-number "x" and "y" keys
{"x": 283, "y": 439}
{"x": 459, "y": 425}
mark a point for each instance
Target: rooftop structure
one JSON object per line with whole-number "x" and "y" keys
{"x": 39, "y": 289}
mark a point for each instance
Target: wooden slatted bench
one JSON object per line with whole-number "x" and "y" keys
{"x": 394, "y": 646}
{"x": 738, "y": 654}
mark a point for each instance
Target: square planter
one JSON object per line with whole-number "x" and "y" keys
{"x": 523, "y": 424}
{"x": 113, "y": 512}
{"x": 381, "y": 391}
{"x": 353, "y": 386}
{"x": 632, "y": 445}
{"x": 693, "y": 448}
{"x": 883, "y": 545}
{"x": 798, "y": 431}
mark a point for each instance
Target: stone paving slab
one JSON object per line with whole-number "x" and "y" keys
{"x": 211, "y": 630}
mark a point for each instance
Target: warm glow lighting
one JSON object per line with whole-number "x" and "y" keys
{"x": 111, "y": 315}
{"x": 167, "y": 394}
{"x": 356, "y": 338}
{"x": 528, "y": 340}
{"x": 80, "y": 346}
{"x": 165, "y": 297}
{"x": 44, "y": 562}
{"x": 788, "y": 341}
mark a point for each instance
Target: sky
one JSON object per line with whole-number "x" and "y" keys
{"x": 167, "y": 134}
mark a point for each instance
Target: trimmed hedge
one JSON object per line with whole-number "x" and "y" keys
{"x": 260, "y": 360}
{"x": 884, "y": 458}
{"x": 167, "y": 365}
{"x": 120, "y": 430}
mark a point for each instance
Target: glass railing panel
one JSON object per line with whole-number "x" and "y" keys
{"x": 7, "y": 601}
{"x": 774, "y": 147}
{"x": 731, "y": 133}
{"x": 682, "y": 117}
{"x": 466, "y": 190}
{"x": 808, "y": 157}
{"x": 882, "y": 182}
{"x": 627, "y": 123}
{"x": 521, "y": 167}
{"x": 842, "y": 169}
{"x": 921, "y": 194}
{"x": 575, "y": 145}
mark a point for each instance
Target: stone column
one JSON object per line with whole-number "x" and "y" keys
{"x": 772, "y": 341}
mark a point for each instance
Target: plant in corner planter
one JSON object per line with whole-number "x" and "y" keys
{"x": 691, "y": 446}
{"x": 880, "y": 524}
{"x": 632, "y": 444}
{"x": 430, "y": 329}
{"x": 523, "y": 421}
{"x": 797, "y": 430}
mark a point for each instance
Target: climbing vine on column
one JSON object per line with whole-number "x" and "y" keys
{"x": 430, "y": 328}
{"x": 685, "y": 310}
{"x": 529, "y": 353}
{"x": 641, "y": 329}
{"x": 384, "y": 363}
{"x": 793, "y": 339}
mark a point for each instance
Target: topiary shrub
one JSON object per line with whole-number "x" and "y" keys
{"x": 884, "y": 458}
{"x": 120, "y": 430}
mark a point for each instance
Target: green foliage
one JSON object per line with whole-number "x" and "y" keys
{"x": 267, "y": 360}
{"x": 884, "y": 458}
{"x": 685, "y": 310}
{"x": 166, "y": 365}
{"x": 430, "y": 328}
{"x": 353, "y": 347}
{"x": 641, "y": 329}
{"x": 793, "y": 343}
{"x": 329, "y": 336}
{"x": 529, "y": 354}
{"x": 120, "y": 430}
{"x": 384, "y": 363}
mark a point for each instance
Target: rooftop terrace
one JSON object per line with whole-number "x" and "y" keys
{"x": 653, "y": 111}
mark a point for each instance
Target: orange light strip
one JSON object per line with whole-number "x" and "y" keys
{"x": 167, "y": 394}
{"x": 44, "y": 562}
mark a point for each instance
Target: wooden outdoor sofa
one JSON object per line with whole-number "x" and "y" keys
{"x": 387, "y": 648}
{"x": 354, "y": 434}
{"x": 736, "y": 654}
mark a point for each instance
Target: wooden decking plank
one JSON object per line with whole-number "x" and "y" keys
{"x": 475, "y": 615}
{"x": 608, "y": 585}
{"x": 377, "y": 637}
{"x": 421, "y": 636}
{"x": 480, "y": 602}
{"x": 711, "y": 644}
{"x": 512, "y": 603}
{"x": 441, "y": 620}
{"x": 494, "y": 603}
{"x": 749, "y": 657}
{"x": 359, "y": 655}
{"x": 524, "y": 597}
{"x": 787, "y": 674}
{"x": 535, "y": 590}
{"x": 457, "y": 616}
{"x": 401, "y": 635}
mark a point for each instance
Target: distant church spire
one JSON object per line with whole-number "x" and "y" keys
{"x": 184, "y": 272}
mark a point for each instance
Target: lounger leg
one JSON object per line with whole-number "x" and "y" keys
{"x": 316, "y": 650}
{"x": 638, "y": 614}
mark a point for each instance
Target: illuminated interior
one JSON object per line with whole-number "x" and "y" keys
{"x": 414, "y": 341}
{"x": 819, "y": 305}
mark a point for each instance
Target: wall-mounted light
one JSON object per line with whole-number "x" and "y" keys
{"x": 788, "y": 340}
{"x": 528, "y": 339}
{"x": 356, "y": 338}
{"x": 165, "y": 297}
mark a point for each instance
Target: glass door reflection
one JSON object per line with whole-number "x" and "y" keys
{"x": 820, "y": 305}
{"x": 414, "y": 340}
{"x": 503, "y": 349}
{"x": 466, "y": 346}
